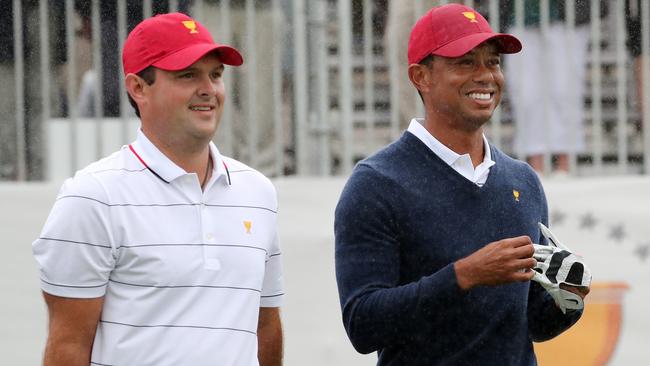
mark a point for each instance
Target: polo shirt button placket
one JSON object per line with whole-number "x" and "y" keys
{"x": 210, "y": 261}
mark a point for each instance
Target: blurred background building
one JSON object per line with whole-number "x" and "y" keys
{"x": 323, "y": 84}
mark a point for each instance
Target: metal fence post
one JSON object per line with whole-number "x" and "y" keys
{"x": 251, "y": 83}
{"x": 621, "y": 87}
{"x": 226, "y": 127}
{"x": 300, "y": 87}
{"x": 369, "y": 73}
{"x": 97, "y": 68}
{"x": 45, "y": 70}
{"x": 19, "y": 72}
{"x": 645, "y": 46}
{"x": 596, "y": 89}
{"x": 278, "y": 31}
{"x": 495, "y": 121}
{"x": 71, "y": 91}
{"x": 571, "y": 42}
{"x": 121, "y": 37}
{"x": 319, "y": 92}
{"x": 345, "y": 75}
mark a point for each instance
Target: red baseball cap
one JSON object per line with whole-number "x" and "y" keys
{"x": 453, "y": 30}
{"x": 172, "y": 42}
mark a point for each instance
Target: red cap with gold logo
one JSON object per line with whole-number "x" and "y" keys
{"x": 172, "y": 42}
{"x": 453, "y": 30}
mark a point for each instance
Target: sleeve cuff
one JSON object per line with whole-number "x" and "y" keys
{"x": 75, "y": 292}
{"x": 272, "y": 301}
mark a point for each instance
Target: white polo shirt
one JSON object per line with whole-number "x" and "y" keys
{"x": 183, "y": 271}
{"x": 460, "y": 163}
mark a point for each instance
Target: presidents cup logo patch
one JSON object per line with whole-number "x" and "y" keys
{"x": 247, "y": 226}
{"x": 191, "y": 25}
{"x": 515, "y": 194}
{"x": 471, "y": 16}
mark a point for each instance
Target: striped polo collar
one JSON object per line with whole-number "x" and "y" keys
{"x": 165, "y": 169}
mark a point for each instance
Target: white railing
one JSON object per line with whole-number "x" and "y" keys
{"x": 317, "y": 92}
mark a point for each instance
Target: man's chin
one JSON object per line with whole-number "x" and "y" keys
{"x": 478, "y": 120}
{"x": 204, "y": 133}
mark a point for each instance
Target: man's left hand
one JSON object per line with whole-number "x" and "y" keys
{"x": 563, "y": 274}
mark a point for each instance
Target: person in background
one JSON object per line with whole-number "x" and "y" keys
{"x": 547, "y": 84}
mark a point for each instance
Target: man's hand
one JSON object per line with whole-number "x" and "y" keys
{"x": 503, "y": 261}
{"x": 563, "y": 274}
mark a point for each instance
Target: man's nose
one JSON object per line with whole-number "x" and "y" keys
{"x": 207, "y": 87}
{"x": 483, "y": 73}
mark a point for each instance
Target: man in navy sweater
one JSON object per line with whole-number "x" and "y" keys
{"x": 434, "y": 233}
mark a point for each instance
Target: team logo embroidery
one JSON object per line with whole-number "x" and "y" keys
{"x": 515, "y": 193}
{"x": 191, "y": 25}
{"x": 471, "y": 16}
{"x": 247, "y": 226}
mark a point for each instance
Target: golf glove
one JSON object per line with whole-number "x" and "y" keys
{"x": 557, "y": 265}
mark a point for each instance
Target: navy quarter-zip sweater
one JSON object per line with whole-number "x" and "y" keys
{"x": 403, "y": 219}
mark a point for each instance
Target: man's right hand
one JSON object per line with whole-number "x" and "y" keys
{"x": 503, "y": 261}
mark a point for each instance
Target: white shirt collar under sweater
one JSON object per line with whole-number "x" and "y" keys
{"x": 460, "y": 163}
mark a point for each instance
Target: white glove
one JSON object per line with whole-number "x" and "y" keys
{"x": 557, "y": 265}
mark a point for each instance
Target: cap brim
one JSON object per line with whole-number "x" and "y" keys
{"x": 187, "y": 56}
{"x": 506, "y": 43}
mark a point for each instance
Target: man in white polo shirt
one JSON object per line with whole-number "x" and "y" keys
{"x": 165, "y": 252}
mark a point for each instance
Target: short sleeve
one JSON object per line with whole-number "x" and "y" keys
{"x": 272, "y": 288}
{"x": 75, "y": 253}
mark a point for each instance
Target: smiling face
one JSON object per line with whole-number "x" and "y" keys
{"x": 464, "y": 91}
{"x": 183, "y": 108}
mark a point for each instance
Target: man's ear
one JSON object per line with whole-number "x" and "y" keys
{"x": 420, "y": 77}
{"x": 135, "y": 86}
